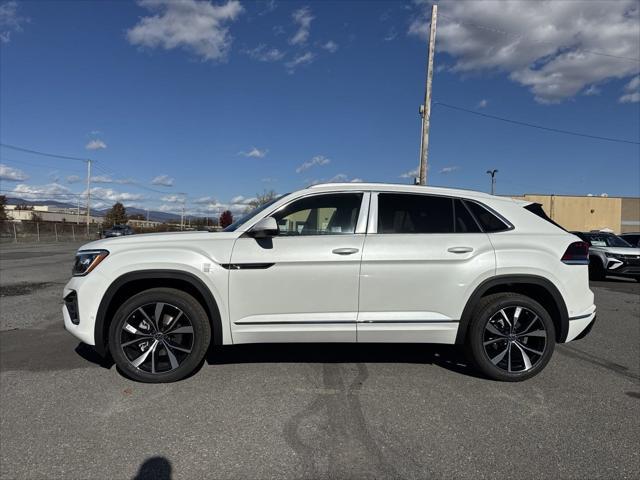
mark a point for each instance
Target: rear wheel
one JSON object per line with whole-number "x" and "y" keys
{"x": 159, "y": 335}
{"x": 511, "y": 337}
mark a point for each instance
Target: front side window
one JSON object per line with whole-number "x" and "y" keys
{"x": 407, "y": 213}
{"x": 333, "y": 214}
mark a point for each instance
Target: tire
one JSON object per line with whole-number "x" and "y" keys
{"x": 495, "y": 359}
{"x": 149, "y": 354}
{"x": 596, "y": 269}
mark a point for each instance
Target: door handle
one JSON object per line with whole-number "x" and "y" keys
{"x": 345, "y": 251}
{"x": 460, "y": 249}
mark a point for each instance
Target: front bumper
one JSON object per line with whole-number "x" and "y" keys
{"x": 88, "y": 292}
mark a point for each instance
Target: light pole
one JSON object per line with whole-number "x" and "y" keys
{"x": 493, "y": 180}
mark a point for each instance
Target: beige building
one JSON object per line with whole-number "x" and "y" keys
{"x": 584, "y": 213}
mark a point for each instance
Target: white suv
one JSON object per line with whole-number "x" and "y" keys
{"x": 340, "y": 263}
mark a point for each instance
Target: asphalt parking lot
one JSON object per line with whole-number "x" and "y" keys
{"x": 313, "y": 411}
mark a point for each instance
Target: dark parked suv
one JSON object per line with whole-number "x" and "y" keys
{"x": 118, "y": 231}
{"x": 632, "y": 238}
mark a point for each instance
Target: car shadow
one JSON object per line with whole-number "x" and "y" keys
{"x": 88, "y": 353}
{"x": 448, "y": 357}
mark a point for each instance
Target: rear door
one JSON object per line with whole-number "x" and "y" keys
{"x": 422, "y": 255}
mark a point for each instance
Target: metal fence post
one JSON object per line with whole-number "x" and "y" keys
{"x": 73, "y": 232}
{"x": 38, "y": 230}
{"x": 55, "y": 228}
{"x": 15, "y": 235}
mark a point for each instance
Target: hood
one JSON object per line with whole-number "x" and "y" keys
{"x": 155, "y": 238}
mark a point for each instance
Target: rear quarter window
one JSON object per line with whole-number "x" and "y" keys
{"x": 489, "y": 221}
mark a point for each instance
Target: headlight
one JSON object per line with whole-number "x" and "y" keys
{"x": 87, "y": 260}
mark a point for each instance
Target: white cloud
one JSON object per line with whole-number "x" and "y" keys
{"x": 10, "y": 21}
{"x": 196, "y": 26}
{"x": 450, "y": 169}
{"x": 268, "y": 180}
{"x": 340, "y": 177}
{"x": 592, "y": 90}
{"x": 298, "y": 60}
{"x": 73, "y": 179}
{"x": 95, "y": 144}
{"x": 262, "y": 53}
{"x": 410, "y": 174}
{"x": 318, "y": 160}
{"x": 11, "y": 174}
{"x": 173, "y": 198}
{"x": 331, "y": 46}
{"x": 108, "y": 179}
{"x": 108, "y": 194}
{"x": 356, "y": 180}
{"x": 51, "y": 191}
{"x": 632, "y": 90}
{"x": 302, "y": 18}
{"x": 254, "y": 153}
{"x": 391, "y": 35}
{"x": 164, "y": 180}
{"x": 554, "y": 48}
{"x": 483, "y": 103}
{"x": 204, "y": 200}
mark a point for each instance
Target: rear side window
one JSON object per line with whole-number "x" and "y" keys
{"x": 406, "y": 213}
{"x": 465, "y": 223}
{"x": 489, "y": 221}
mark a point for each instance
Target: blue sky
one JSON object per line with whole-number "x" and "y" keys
{"x": 221, "y": 100}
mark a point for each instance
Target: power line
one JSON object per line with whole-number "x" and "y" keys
{"x": 44, "y": 154}
{"x": 533, "y": 125}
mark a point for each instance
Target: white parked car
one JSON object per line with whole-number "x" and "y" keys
{"x": 340, "y": 263}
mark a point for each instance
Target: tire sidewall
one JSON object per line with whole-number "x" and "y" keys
{"x": 476, "y": 336}
{"x": 185, "y": 302}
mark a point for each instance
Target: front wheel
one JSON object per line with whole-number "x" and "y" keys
{"x": 159, "y": 335}
{"x": 511, "y": 337}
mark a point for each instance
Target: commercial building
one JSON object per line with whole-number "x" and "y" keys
{"x": 584, "y": 213}
{"x": 48, "y": 213}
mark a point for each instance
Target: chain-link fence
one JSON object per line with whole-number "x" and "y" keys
{"x": 27, "y": 232}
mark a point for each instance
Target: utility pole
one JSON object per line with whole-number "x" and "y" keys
{"x": 88, "y": 194}
{"x": 425, "y": 109}
{"x": 493, "y": 180}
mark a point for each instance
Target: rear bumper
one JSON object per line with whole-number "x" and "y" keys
{"x": 580, "y": 325}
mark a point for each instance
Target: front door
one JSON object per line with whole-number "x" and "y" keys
{"x": 301, "y": 285}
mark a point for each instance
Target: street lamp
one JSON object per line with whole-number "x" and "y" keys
{"x": 493, "y": 180}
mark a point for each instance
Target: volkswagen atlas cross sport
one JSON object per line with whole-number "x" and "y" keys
{"x": 340, "y": 263}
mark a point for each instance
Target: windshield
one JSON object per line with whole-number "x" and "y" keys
{"x": 234, "y": 226}
{"x": 606, "y": 240}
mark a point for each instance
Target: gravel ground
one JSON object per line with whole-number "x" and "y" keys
{"x": 312, "y": 411}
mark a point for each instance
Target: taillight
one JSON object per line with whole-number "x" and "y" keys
{"x": 577, "y": 254}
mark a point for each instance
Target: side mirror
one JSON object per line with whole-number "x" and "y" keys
{"x": 267, "y": 227}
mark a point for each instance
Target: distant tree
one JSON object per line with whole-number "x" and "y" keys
{"x": 36, "y": 217}
{"x": 3, "y": 212}
{"x": 261, "y": 199}
{"x": 23, "y": 206}
{"x": 117, "y": 215}
{"x": 226, "y": 219}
